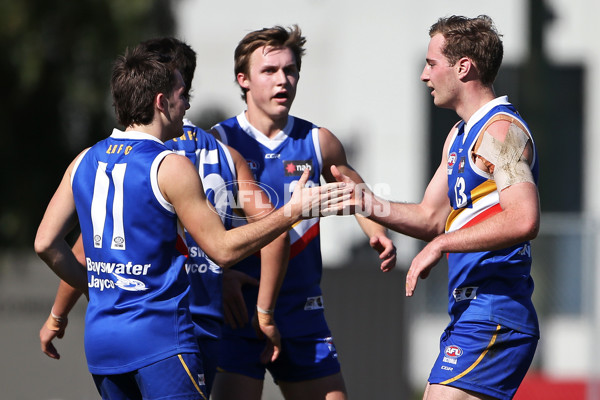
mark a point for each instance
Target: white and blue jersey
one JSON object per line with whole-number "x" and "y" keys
{"x": 138, "y": 311}
{"x": 217, "y": 171}
{"x": 278, "y": 163}
{"x": 496, "y": 285}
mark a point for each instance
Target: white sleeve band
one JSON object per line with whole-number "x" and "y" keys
{"x": 510, "y": 166}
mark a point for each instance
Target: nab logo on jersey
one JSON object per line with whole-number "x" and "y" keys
{"x": 297, "y": 167}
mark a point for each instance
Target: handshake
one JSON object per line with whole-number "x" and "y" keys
{"x": 344, "y": 197}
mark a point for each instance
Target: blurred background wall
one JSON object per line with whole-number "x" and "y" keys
{"x": 360, "y": 79}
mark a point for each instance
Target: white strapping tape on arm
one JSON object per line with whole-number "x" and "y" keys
{"x": 510, "y": 166}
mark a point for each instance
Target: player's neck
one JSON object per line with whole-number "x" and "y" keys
{"x": 472, "y": 101}
{"x": 265, "y": 124}
{"x": 152, "y": 129}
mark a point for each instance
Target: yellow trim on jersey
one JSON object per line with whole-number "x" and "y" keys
{"x": 191, "y": 377}
{"x": 482, "y": 190}
{"x": 457, "y": 377}
{"x": 477, "y": 194}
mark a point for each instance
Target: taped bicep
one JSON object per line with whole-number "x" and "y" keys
{"x": 510, "y": 165}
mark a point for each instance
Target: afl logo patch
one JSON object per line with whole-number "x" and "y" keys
{"x": 453, "y": 351}
{"x": 451, "y": 161}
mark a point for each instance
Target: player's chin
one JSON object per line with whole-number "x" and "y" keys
{"x": 280, "y": 110}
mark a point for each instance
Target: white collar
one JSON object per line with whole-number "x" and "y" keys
{"x": 135, "y": 135}
{"x": 484, "y": 110}
{"x": 270, "y": 143}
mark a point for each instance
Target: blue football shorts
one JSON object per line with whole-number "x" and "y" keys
{"x": 483, "y": 357}
{"x": 209, "y": 349}
{"x": 178, "y": 377}
{"x": 301, "y": 358}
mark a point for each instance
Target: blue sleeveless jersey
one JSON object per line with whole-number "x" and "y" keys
{"x": 138, "y": 311}
{"x": 277, "y": 164}
{"x": 217, "y": 171}
{"x": 490, "y": 285}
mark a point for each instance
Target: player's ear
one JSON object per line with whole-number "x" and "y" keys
{"x": 243, "y": 80}
{"x": 160, "y": 102}
{"x": 464, "y": 66}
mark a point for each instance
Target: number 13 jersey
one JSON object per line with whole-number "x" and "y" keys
{"x": 487, "y": 285}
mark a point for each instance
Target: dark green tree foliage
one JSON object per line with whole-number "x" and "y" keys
{"x": 55, "y": 71}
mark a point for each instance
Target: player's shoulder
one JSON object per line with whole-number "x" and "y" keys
{"x": 214, "y": 132}
{"x": 193, "y": 130}
{"x": 456, "y": 129}
{"x": 302, "y": 123}
{"x": 228, "y": 127}
{"x": 174, "y": 164}
{"x": 228, "y": 123}
{"x": 188, "y": 124}
{"x": 327, "y": 138}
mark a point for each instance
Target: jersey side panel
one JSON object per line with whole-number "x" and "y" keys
{"x": 215, "y": 167}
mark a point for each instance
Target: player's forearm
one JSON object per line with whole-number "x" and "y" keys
{"x": 406, "y": 218}
{"x": 274, "y": 260}
{"x": 240, "y": 242}
{"x": 59, "y": 257}
{"x": 305, "y": 203}
{"x": 370, "y": 227}
{"x": 500, "y": 231}
{"x": 518, "y": 222}
{"x": 65, "y": 300}
{"x": 66, "y": 295}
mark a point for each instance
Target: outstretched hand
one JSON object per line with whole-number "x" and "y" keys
{"x": 329, "y": 199}
{"x": 360, "y": 202}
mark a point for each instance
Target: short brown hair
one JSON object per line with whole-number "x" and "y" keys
{"x": 137, "y": 77}
{"x": 276, "y": 36}
{"x": 184, "y": 57}
{"x": 475, "y": 38}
